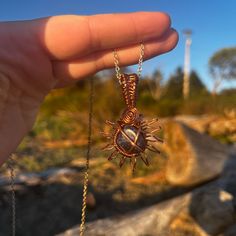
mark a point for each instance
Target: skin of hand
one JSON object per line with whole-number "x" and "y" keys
{"x": 39, "y": 55}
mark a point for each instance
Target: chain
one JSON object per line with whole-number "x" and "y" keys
{"x": 86, "y": 174}
{"x": 140, "y": 63}
{"x": 117, "y": 67}
{"x": 13, "y": 194}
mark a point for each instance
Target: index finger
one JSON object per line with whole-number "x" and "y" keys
{"x": 71, "y": 36}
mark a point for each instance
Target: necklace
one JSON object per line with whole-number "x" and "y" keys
{"x": 130, "y": 138}
{"x": 131, "y": 134}
{"x": 86, "y": 174}
{"x": 11, "y": 163}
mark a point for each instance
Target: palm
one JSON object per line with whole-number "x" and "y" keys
{"x": 37, "y": 56}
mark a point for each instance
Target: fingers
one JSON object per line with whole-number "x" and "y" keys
{"x": 71, "y": 36}
{"x": 91, "y": 64}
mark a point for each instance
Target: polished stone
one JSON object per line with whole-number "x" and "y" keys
{"x": 125, "y": 141}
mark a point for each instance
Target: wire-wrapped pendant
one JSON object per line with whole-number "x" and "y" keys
{"x": 131, "y": 133}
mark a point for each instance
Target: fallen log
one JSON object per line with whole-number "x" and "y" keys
{"x": 144, "y": 222}
{"x": 166, "y": 218}
{"x": 193, "y": 157}
{"x": 206, "y": 211}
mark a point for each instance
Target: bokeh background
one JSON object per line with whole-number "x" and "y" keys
{"x": 50, "y": 161}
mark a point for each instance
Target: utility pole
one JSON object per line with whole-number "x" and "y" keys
{"x": 186, "y": 82}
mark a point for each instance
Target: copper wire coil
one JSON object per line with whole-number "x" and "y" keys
{"x": 129, "y": 84}
{"x": 129, "y": 116}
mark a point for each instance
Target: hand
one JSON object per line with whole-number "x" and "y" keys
{"x": 39, "y": 55}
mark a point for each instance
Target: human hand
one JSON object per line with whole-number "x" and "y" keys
{"x": 39, "y": 55}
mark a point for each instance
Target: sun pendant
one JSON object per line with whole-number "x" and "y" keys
{"x": 131, "y": 135}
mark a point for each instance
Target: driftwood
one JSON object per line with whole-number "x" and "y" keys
{"x": 212, "y": 218}
{"x": 193, "y": 157}
{"x": 144, "y": 222}
{"x": 206, "y": 211}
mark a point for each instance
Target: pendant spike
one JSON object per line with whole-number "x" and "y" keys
{"x": 110, "y": 123}
{"x": 145, "y": 160}
{"x": 105, "y": 134}
{"x": 153, "y": 149}
{"x": 108, "y": 147}
{"x": 134, "y": 162}
{"x": 122, "y": 161}
{"x": 144, "y": 127}
{"x": 153, "y": 121}
{"x": 112, "y": 155}
{"x": 158, "y": 139}
{"x": 151, "y": 139}
{"x": 155, "y": 130}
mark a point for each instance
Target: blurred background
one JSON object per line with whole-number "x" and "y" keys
{"x": 192, "y": 89}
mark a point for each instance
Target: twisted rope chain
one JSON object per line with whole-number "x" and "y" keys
{"x": 86, "y": 174}
{"x": 140, "y": 63}
{"x": 10, "y": 165}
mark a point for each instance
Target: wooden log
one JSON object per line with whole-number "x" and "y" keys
{"x": 193, "y": 157}
{"x": 206, "y": 211}
{"x": 207, "y": 218}
{"x": 144, "y": 222}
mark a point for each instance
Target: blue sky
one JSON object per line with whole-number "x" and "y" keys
{"x": 213, "y": 24}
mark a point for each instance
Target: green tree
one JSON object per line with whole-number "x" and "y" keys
{"x": 155, "y": 84}
{"x": 222, "y": 66}
{"x": 173, "y": 87}
{"x": 196, "y": 85}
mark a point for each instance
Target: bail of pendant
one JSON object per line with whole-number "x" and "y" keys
{"x": 129, "y": 83}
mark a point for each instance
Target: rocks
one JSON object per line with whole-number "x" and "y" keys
{"x": 30, "y": 179}
{"x": 217, "y": 126}
{"x": 212, "y": 209}
{"x": 193, "y": 157}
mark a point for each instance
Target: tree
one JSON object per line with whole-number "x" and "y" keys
{"x": 155, "y": 84}
{"x": 174, "y": 86}
{"x": 196, "y": 85}
{"x": 222, "y": 66}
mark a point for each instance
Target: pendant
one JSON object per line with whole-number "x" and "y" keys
{"x": 132, "y": 135}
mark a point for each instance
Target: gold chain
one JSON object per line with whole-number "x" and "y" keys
{"x": 10, "y": 165}
{"x": 140, "y": 62}
{"x": 86, "y": 174}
